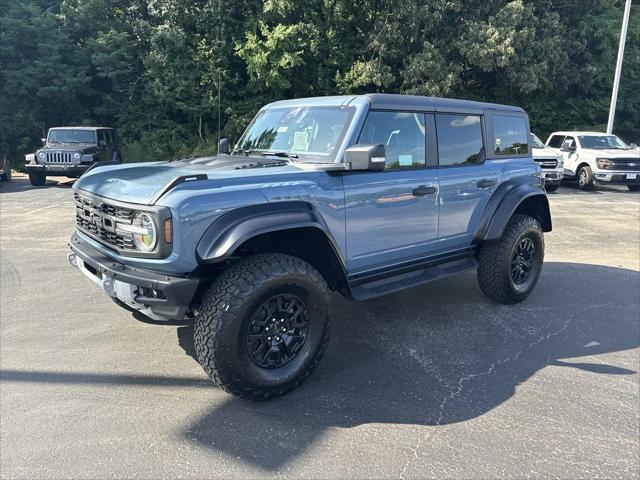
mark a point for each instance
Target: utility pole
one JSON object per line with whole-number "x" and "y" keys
{"x": 616, "y": 78}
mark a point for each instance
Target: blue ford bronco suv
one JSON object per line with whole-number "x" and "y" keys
{"x": 364, "y": 195}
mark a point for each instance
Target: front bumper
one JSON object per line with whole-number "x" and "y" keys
{"x": 617, "y": 178}
{"x": 56, "y": 170}
{"x": 156, "y": 295}
{"x": 551, "y": 177}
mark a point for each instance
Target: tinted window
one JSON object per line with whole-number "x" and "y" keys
{"x": 402, "y": 134}
{"x": 71, "y": 136}
{"x": 459, "y": 139}
{"x": 556, "y": 141}
{"x": 510, "y": 135}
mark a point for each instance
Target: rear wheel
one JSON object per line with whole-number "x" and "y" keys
{"x": 37, "y": 179}
{"x": 262, "y": 326}
{"x": 510, "y": 267}
{"x": 585, "y": 178}
{"x": 634, "y": 188}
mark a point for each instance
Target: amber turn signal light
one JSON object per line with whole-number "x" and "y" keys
{"x": 168, "y": 230}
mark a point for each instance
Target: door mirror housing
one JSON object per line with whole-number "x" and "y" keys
{"x": 44, "y": 141}
{"x": 365, "y": 157}
{"x": 633, "y": 146}
{"x": 223, "y": 146}
{"x": 102, "y": 143}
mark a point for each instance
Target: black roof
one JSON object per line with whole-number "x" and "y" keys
{"x": 386, "y": 101}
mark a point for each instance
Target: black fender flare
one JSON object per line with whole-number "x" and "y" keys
{"x": 232, "y": 229}
{"x": 504, "y": 202}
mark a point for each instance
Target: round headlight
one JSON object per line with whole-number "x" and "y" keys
{"x": 41, "y": 155}
{"x": 144, "y": 241}
{"x": 76, "y": 155}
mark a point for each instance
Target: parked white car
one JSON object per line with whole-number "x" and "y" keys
{"x": 550, "y": 163}
{"x": 594, "y": 157}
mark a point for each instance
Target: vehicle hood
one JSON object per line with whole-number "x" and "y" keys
{"x": 612, "y": 153}
{"x": 141, "y": 182}
{"x": 544, "y": 153}
{"x": 69, "y": 147}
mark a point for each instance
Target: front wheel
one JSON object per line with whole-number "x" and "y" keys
{"x": 262, "y": 326}
{"x": 37, "y": 179}
{"x": 585, "y": 178}
{"x": 634, "y": 188}
{"x": 510, "y": 267}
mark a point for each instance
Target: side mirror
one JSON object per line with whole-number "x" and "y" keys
{"x": 365, "y": 157}
{"x": 223, "y": 146}
{"x": 102, "y": 143}
{"x": 44, "y": 141}
{"x": 633, "y": 146}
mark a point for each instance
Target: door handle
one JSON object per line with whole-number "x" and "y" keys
{"x": 423, "y": 190}
{"x": 486, "y": 183}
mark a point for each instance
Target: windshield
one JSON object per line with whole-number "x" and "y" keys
{"x": 72, "y": 136}
{"x": 536, "y": 142}
{"x": 602, "y": 142}
{"x": 310, "y": 133}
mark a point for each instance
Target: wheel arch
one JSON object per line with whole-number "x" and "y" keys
{"x": 525, "y": 196}
{"x": 292, "y": 228}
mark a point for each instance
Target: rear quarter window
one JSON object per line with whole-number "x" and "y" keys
{"x": 510, "y": 135}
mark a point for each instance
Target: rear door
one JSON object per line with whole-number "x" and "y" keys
{"x": 466, "y": 180}
{"x": 392, "y": 216}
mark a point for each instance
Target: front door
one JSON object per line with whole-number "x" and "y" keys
{"x": 392, "y": 216}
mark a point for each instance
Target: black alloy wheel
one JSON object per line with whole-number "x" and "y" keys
{"x": 277, "y": 331}
{"x": 522, "y": 261}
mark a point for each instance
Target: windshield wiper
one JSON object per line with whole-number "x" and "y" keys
{"x": 280, "y": 154}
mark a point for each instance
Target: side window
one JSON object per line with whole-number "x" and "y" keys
{"x": 510, "y": 135}
{"x": 107, "y": 134}
{"x": 402, "y": 134}
{"x": 101, "y": 137}
{"x": 572, "y": 142}
{"x": 459, "y": 139}
{"x": 556, "y": 141}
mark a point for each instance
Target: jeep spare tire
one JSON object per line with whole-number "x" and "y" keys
{"x": 262, "y": 325}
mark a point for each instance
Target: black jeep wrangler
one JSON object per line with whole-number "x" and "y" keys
{"x": 71, "y": 151}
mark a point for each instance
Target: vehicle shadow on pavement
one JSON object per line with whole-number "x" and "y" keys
{"x": 435, "y": 355}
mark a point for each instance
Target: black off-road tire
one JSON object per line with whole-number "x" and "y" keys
{"x": 37, "y": 179}
{"x": 225, "y": 313}
{"x": 585, "y": 178}
{"x": 634, "y": 188}
{"x": 495, "y": 258}
{"x": 552, "y": 187}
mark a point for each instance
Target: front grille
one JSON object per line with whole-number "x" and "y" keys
{"x": 98, "y": 220}
{"x": 623, "y": 164}
{"x": 58, "y": 157}
{"x": 546, "y": 162}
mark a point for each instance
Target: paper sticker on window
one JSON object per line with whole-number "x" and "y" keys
{"x": 405, "y": 160}
{"x": 300, "y": 141}
{"x": 498, "y": 142}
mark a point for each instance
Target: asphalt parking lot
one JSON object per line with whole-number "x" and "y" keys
{"x": 431, "y": 382}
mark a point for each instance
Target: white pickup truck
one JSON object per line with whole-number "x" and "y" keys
{"x": 550, "y": 163}
{"x": 593, "y": 157}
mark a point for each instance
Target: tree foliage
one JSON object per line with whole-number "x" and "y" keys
{"x": 153, "y": 68}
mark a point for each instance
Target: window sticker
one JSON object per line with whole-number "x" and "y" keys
{"x": 283, "y": 129}
{"x": 498, "y": 142}
{"x": 405, "y": 160}
{"x": 300, "y": 141}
